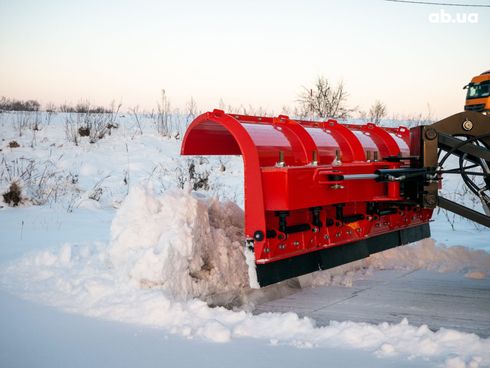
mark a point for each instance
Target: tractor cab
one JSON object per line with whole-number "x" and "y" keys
{"x": 478, "y": 93}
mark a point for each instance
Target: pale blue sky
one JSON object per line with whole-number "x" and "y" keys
{"x": 245, "y": 52}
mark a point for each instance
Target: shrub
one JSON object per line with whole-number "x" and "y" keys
{"x": 324, "y": 100}
{"x": 194, "y": 173}
{"x": 14, "y": 195}
{"x": 377, "y": 112}
{"x": 35, "y": 182}
{"x": 163, "y": 118}
{"x": 94, "y": 123}
{"x": 84, "y": 131}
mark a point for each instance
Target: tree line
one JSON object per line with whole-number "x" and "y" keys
{"x": 322, "y": 100}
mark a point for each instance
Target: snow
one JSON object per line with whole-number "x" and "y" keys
{"x": 149, "y": 254}
{"x": 425, "y": 254}
{"x": 34, "y": 335}
{"x": 189, "y": 246}
{"x": 152, "y": 284}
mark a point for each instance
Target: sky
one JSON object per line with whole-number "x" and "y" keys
{"x": 258, "y": 53}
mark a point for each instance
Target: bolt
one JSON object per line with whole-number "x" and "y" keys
{"x": 430, "y": 134}
{"x": 467, "y": 125}
{"x": 280, "y": 163}
{"x": 259, "y": 235}
{"x": 314, "y": 160}
{"x": 431, "y": 200}
{"x": 326, "y": 237}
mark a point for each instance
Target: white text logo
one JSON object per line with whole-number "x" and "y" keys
{"x": 444, "y": 17}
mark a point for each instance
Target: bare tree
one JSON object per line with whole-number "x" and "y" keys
{"x": 50, "y": 107}
{"x": 377, "y": 112}
{"x": 325, "y": 100}
{"x": 9, "y": 104}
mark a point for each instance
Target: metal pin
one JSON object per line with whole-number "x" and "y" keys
{"x": 337, "y": 160}
{"x": 314, "y": 162}
{"x": 368, "y": 156}
{"x": 280, "y": 163}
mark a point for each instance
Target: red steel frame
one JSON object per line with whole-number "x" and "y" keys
{"x": 287, "y": 168}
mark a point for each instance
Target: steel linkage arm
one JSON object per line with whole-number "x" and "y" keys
{"x": 463, "y": 211}
{"x": 466, "y": 136}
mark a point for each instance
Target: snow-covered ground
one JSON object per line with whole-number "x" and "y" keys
{"x": 105, "y": 231}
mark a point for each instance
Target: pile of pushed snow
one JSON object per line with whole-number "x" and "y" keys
{"x": 425, "y": 254}
{"x": 188, "y": 245}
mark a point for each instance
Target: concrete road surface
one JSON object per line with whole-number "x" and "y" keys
{"x": 436, "y": 299}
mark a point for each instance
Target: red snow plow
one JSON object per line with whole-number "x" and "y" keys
{"x": 321, "y": 194}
